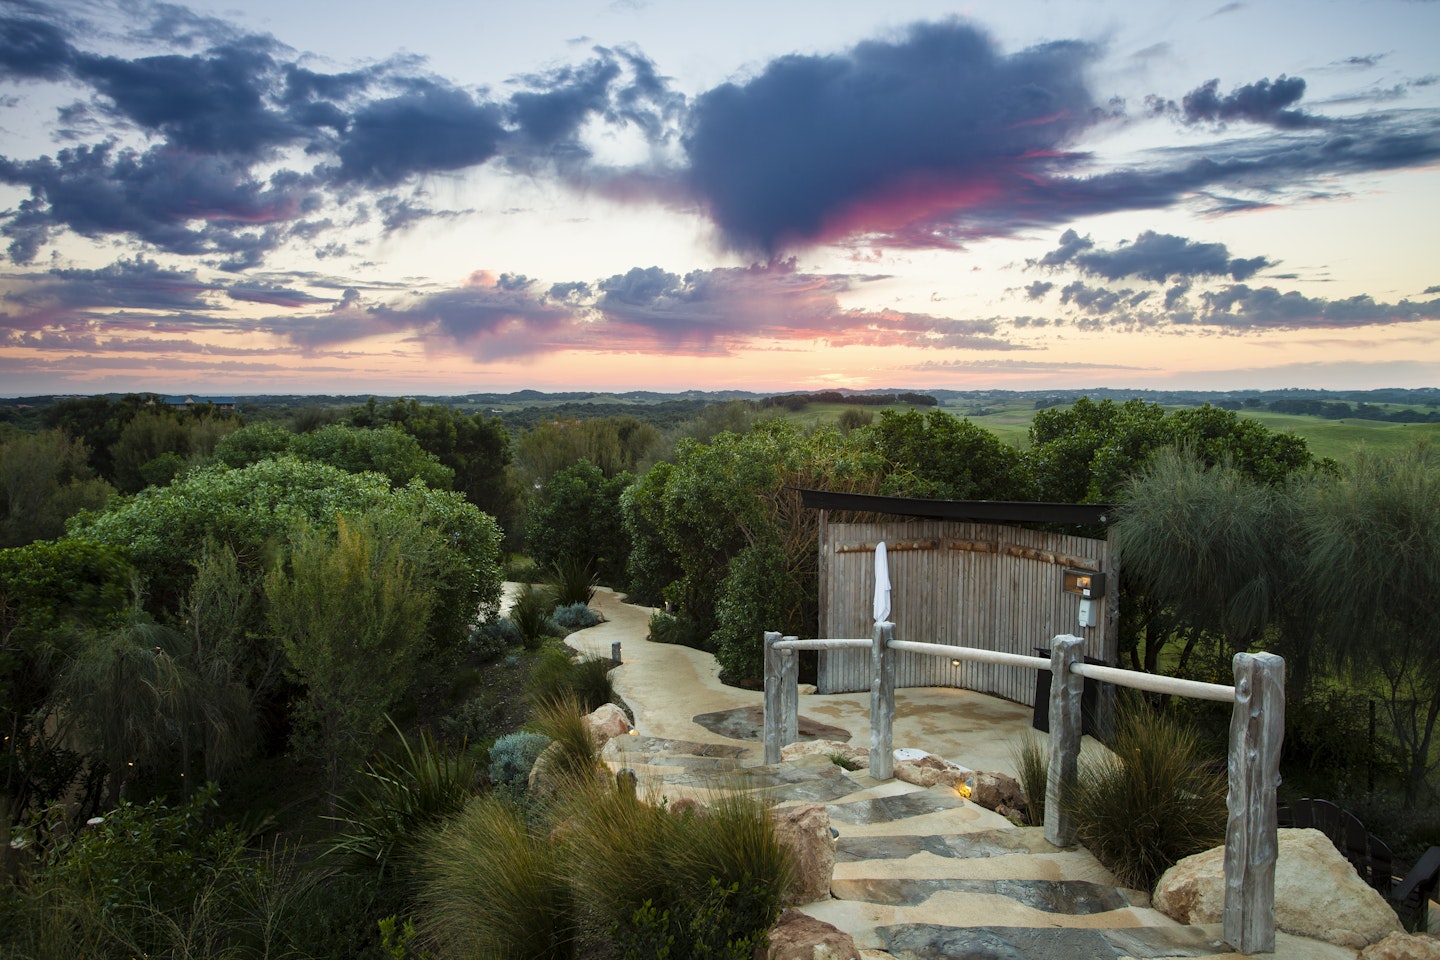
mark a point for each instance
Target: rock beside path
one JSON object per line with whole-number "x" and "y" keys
{"x": 1318, "y": 894}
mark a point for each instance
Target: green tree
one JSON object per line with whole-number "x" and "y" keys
{"x": 52, "y": 595}
{"x": 389, "y": 451}
{"x": 474, "y": 446}
{"x": 352, "y": 621}
{"x": 576, "y": 516}
{"x": 936, "y": 455}
{"x": 139, "y": 704}
{"x": 738, "y": 496}
{"x": 1373, "y": 538}
{"x": 44, "y": 479}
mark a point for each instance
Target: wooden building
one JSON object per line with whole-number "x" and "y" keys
{"x": 964, "y": 573}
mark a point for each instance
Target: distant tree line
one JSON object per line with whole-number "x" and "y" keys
{"x": 1340, "y": 410}
{"x": 798, "y": 401}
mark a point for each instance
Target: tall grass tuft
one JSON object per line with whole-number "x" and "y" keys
{"x": 557, "y": 677}
{"x": 573, "y": 580}
{"x": 400, "y": 793}
{"x": 705, "y": 882}
{"x": 1031, "y": 757}
{"x": 491, "y": 888}
{"x": 1151, "y": 802}
{"x": 573, "y": 757}
{"x": 531, "y": 615}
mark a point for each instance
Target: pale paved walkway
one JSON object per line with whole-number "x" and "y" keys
{"x": 920, "y": 874}
{"x": 666, "y": 685}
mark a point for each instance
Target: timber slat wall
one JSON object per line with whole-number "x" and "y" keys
{"x": 964, "y": 584}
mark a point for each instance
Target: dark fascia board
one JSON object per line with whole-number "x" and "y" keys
{"x": 999, "y": 511}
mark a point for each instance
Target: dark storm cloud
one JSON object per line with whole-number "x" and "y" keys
{"x": 1038, "y": 289}
{"x": 1263, "y": 101}
{"x": 827, "y": 145}
{"x": 33, "y": 49}
{"x": 212, "y": 103}
{"x": 431, "y": 128}
{"x": 180, "y": 202}
{"x": 1152, "y": 256}
{"x": 929, "y": 140}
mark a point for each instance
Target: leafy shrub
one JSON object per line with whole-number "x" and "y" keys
{"x": 1151, "y": 802}
{"x": 667, "y": 628}
{"x": 531, "y": 615}
{"x": 758, "y": 594}
{"x": 492, "y": 638}
{"x": 521, "y": 570}
{"x": 474, "y": 720}
{"x": 575, "y": 616}
{"x": 399, "y": 793}
{"x": 1031, "y": 757}
{"x": 512, "y": 756}
{"x": 492, "y": 888}
{"x": 555, "y": 676}
{"x": 573, "y": 579}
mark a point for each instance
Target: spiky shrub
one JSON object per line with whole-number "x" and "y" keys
{"x": 531, "y": 615}
{"x": 705, "y": 883}
{"x": 1032, "y": 766}
{"x": 555, "y": 676}
{"x": 575, "y": 616}
{"x": 399, "y": 793}
{"x": 492, "y": 888}
{"x": 573, "y": 755}
{"x": 512, "y": 756}
{"x": 1151, "y": 802}
{"x": 573, "y": 579}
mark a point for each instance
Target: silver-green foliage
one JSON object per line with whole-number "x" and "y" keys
{"x": 513, "y": 755}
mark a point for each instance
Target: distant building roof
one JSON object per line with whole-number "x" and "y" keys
{"x": 1001, "y": 511}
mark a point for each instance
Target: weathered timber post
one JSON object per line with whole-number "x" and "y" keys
{"x": 789, "y": 696}
{"x": 1257, "y": 728}
{"x": 773, "y": 707}
{"x": 1066, "y": 686}
{"x": 882, "y": 703}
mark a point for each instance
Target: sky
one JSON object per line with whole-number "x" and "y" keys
{"x": 443, "y": 197}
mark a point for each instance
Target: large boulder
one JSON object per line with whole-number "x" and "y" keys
{"x": 1403, "y": 946}
{"x": 1318, "y": 894}
{"x": 798, "y": 936}
{"x": 805, "y": 829}
{"x": 607, "y": 723}
{"x": 999, "y": 792}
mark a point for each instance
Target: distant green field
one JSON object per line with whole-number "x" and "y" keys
{"x": 1326, "y": 438}
{"x": 1336, "y": 438}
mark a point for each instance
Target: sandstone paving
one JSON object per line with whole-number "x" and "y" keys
{"x": 920, "y": 874}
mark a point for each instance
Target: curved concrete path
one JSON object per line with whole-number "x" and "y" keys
{"x": 919, "y": 874}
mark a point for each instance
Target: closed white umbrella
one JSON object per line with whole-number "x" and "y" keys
{"x": 882, "y": 584}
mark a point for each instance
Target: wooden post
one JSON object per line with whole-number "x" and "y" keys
{"x": 789, "y": 696}
{"x": 1066, "y": 687}
{"x": 1257, "y": 728}
{"x": 882, "y": 703}
{"x": 773, "y": 708}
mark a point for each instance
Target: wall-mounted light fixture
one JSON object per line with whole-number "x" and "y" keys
{"x": 1089, "y": 585}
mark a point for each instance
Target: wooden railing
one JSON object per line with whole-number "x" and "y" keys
{"x": 1257, "y": 726}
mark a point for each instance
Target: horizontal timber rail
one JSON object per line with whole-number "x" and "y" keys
{"x": 1257, "y": 725}
{"x": 790, "y": 643}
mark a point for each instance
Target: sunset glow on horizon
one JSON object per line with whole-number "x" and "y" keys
{"x": 439, "y": 199}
